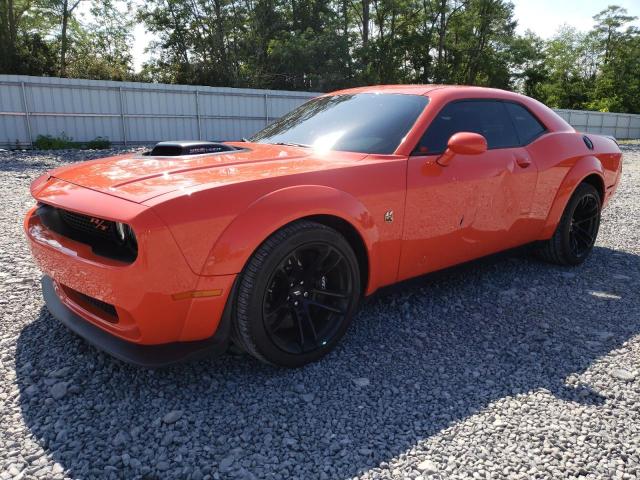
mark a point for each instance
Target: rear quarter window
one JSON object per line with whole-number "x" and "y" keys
{"x": 527, "y": 126}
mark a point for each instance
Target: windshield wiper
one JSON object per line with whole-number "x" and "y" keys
{"x": 292, "y": 144}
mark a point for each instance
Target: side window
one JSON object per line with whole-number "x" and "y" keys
{"x": 527, "y": 126}
{"x": 486, "y": 117}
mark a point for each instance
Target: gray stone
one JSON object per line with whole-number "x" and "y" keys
{"x": 58, "y": 390}
{"x": 31, "y": 390}
{"x": 623, "y": 374}
{"x": 121, "y": 438}
{"x": 172, "y": 417}
{"x": 361, "y": 382}
{"x": 539, "y": 382}
{"x": 225, "y": 463}
{"x": 427, "y": 467}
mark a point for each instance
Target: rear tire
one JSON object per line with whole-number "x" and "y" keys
{"x": 296, "y": 295}
{"x": 577, "y": 230}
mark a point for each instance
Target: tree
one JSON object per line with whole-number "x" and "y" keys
{"x": 46, "y": 37}
{"x": 527, "y": 64}
{"x": 607, "y": 29}
{"x": 325, "y": 45}
{"x": 616, "y": 82}
{"x": 566, "y": 86}
{"x": 23, "y": 48}
{"x": 10, "y": 15}
{"x": 63, "y": 10}
{"x": 101, "y": 48}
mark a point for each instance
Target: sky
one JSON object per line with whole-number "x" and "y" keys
{"x": 543, "y": 17}
{"x": 142, "y": 38}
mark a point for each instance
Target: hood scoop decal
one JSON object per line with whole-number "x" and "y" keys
{"x": 184, "y": 148}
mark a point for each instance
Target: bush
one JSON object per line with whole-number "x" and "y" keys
{"x": 63, "y": 142}
{"x": 98, "y": 143}
{"x": 48, "y": 142}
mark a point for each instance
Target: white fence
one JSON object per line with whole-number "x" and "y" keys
{"x": 134, "y": 113}
{"x": 619, "y": 125}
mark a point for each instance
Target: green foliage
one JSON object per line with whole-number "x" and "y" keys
{"x": 100, "y": 49}
{"x": 63, "y": 142}
{"x": 598, "y": 70}
{"x": 48, "y": 142}
{"x": 48, "y": 37}
{"x": 98, "y": 143}
{"x": 323, "y": 45}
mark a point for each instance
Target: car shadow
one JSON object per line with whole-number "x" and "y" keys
{"x": 419, "y": 357}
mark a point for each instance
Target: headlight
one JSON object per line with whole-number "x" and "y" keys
{"x": 121, "y": 230}
{"x": 125, "y": 236}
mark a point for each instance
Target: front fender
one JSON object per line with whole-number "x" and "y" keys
{"x": 276, "y": 209}
{"x": 584, "y": 167}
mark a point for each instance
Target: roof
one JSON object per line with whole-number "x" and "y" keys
{"x": 407, "y": 89}
{"x": 416, "y": 89}
{"x": 441, "y": 94}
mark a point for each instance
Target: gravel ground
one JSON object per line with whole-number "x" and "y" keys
{"x": 504, "y": 368}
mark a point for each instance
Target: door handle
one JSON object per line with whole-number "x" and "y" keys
{"x": 523, "y": 162}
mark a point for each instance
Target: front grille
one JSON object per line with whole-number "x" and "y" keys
{"x": 98, "y": 233}
{"x": 102, "y": 309}
{"x": 90, "y": 225}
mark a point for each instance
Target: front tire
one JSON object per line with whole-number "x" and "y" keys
{"x": 577, "y": 230}
{"x": 296, "y": 295}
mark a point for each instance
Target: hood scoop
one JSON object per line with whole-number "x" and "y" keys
{"x": 184, "y": 148}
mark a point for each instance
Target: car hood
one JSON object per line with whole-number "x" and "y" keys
{"x": 138, "y": 177}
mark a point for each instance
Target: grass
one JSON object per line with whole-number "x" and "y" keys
{"x": 63, "y": 142}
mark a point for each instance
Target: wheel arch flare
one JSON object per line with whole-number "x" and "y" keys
{"x": 587, "y": 169}
{"x": 268, "y": 214}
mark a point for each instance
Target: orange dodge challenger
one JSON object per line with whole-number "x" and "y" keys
{"x": 271, "y": 242}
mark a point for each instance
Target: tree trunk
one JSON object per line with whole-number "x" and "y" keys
{"x": 365, "y": 32}
{"x": 366, "y": 17}
{"x": 11, "y": 20}
{"x": 476, "y": 54}
{"x": 220, "y": 37}
{"x": 63, "y": 39}
{"x": 607, "y": 48}
{"x": 345, "y": 18}
{"x": 442, "y": 31}
{"x": 345, "y": 33}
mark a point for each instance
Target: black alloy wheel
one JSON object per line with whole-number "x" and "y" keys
{"x": 577, "y": 230}
{"x": 297, "y": 295}
{"x": 300, "y": 312}
{"x": 584, "y": 225}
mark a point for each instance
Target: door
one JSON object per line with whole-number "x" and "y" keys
{"x": 477, "y": 204}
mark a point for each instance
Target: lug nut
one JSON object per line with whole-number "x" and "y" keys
{"x": 306, "y": 294}
{"x": 295, "y": 303}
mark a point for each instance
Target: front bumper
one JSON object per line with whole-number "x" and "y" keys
{"x": 150, "y": 356}
{"x": 155, "y": 300}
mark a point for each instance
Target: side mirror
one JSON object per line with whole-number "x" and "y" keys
{"x": 463, "y": 143}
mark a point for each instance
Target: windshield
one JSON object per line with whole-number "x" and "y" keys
{"x": 362, "y": 122}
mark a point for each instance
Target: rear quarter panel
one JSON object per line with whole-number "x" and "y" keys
{"x": 564, "y": 161}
